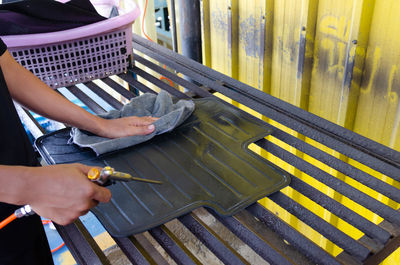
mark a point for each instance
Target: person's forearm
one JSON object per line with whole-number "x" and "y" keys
{"x": 32, "y": 93}
{"x": 15, "y": 184}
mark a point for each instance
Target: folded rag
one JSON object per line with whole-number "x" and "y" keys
{"x": 161, "y": 106}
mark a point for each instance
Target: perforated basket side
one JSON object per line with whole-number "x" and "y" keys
{"x": 80, "y": 60}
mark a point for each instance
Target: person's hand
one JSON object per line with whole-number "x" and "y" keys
{"x": 126, "y": 126}
{"x": 62, "y": 193}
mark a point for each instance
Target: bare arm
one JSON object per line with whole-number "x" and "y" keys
{"x": 32, "y": 93}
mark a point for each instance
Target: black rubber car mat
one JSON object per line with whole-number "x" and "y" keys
{"x": 203, "y": 162}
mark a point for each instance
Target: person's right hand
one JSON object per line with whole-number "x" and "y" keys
{"x": 62, "y": 193}
{"x": 126, "y": 126}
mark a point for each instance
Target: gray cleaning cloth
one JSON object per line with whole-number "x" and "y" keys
{"x": 161, "y": 106}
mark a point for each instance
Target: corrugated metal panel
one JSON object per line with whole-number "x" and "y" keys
{"x": 335, "y": 58}
{"x": 289, "y": 81}
{"x": 379, "y": 97}
{"x": 310, "y": 53}
{"x": 250, "y": 37}
{"x": 337, "y": 67}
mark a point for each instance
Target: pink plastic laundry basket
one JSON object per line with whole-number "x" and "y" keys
{"x": 78, "y": 55}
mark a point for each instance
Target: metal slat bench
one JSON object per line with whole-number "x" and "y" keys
{"x": 261, "y": 230}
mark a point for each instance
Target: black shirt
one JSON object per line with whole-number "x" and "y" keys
{"x": 22, "y": 241}
{"x": 15, "y": 146}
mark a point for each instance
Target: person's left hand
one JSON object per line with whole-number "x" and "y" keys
{"x": 126, "y": 126}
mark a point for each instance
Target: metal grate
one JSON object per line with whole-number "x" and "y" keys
{"x": 263, "y": 231}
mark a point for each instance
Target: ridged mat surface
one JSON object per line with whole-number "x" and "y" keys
{"x": 203, "y": 162}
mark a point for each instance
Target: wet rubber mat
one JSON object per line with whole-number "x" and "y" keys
{"x": 203, "y": 162}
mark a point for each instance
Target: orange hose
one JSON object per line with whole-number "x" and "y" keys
{"x": 57, "y": 248}
{"x": 13, "y": 217}
{"x": 144, "y": 14}
{"x": 7, "y": 220}
{"x": 144, "y": 33}
{"x": 45, "y": 222}
{"x": 170, "y": 82}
